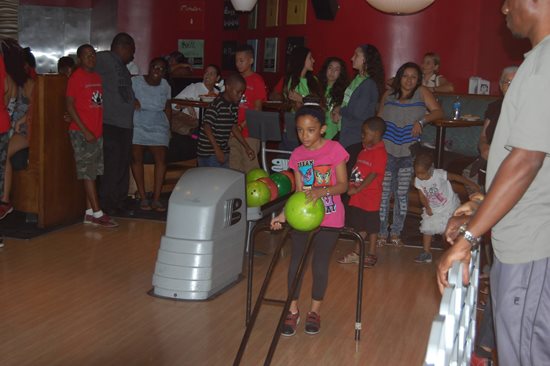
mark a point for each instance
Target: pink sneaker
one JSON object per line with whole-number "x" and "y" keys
{"x": 105, "y": 221}
{"x": 5, "y": 209}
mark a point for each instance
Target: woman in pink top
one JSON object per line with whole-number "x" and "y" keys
{"x": 320, "y": 169}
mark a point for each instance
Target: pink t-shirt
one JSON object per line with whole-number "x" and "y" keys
{"x": 317, "y": 168}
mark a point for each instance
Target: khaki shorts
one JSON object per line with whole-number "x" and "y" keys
{"x": 238, "y": 159}
{"x": 88, "y": 156}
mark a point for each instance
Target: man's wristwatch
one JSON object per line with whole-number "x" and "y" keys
{"x": 470, "y": 238}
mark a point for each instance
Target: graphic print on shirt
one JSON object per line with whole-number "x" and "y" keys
{"x": 243, "y": 99}
{"x": 434, "y": 196}
{"x": 306, "y": 170}
{"x": 356, "y": 178}
{"x": 97, "y": 98}
{"x": 317, "y": 176}
{"x": 322, "y": 175}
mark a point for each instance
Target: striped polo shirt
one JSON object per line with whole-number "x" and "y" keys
{"x": 220, "y": 115}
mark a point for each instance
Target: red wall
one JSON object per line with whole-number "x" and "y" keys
{"x": 470, "y": 35}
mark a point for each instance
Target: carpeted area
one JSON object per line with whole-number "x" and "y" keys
{"x": 131, "y": 210}
{"x": 15, "y": 226}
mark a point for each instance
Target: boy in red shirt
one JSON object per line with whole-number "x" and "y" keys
{"x": 85, "y": 106}
{"x": 366, "y": 189}
{"x": 253, "y": 97}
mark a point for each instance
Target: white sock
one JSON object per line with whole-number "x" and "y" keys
{"x": 98, "y": 214}
{"x": 89, "y": 211}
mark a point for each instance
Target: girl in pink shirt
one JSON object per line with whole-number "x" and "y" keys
{"x": 320, "y": 169}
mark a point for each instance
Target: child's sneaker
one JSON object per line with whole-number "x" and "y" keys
{"x": 105, "y": 221}
{"x": 396, "y": 241}
{"x": 5, "y": 209}
{"x": 349, "y": 258}
{"x": 313, "y": 323}
{"x": 424, "y": 257}
{"x": 370, "y": 261}
{"x": 290, "y": 324}
{"x": 381, "y": 241}
{"x": 88, "y": 219}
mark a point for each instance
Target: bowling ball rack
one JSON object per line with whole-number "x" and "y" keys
{"x": 254, "y": 214}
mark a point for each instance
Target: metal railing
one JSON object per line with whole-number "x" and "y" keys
{"x": 453, "y": 330}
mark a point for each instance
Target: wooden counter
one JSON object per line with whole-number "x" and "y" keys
{"x": 48, "y": 187}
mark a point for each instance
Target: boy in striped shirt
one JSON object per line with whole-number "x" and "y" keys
{"x": 218, "y": 123}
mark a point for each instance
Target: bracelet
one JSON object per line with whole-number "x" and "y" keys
{"x": 470, "y": 238}
{"x": 422, "y": 122}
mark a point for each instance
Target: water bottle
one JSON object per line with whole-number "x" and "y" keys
{"x": 457, "y": 106}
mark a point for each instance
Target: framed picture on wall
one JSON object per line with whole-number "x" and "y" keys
{"x": 228, "y": 55}
{"x": 230, "y": 16}
{"x": 191, "y": 14}
{"x": 272, "y": 13}
{"x": 254, "y": 44}
{"x": 296, "y": 12}
{"x": 193, "y": 50}
{"x": 253, "y": 18}
{"x": 270, "y": 55}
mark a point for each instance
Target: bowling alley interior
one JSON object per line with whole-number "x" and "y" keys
{"x": 82, "y": 293}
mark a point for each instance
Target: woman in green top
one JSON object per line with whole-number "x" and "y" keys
{"x": 299, "y": 79}
{"x": 334, "y": 80}
{"x": 362, "y": 95}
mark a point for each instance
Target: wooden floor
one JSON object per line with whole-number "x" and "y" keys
{"x": 79, "y": 297}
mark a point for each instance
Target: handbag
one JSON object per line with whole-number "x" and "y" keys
{"x": 182, "y": 123}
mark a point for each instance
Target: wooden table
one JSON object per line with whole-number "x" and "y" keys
{"x": 441, "y": 125}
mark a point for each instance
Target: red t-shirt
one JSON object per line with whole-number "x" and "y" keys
{"x": 85, "y": 87}
{"x": 4, "y": 116}
{"x": 255, "y": 90}
{"x": 279, "y": 86}
{"x": 370, "y": 160}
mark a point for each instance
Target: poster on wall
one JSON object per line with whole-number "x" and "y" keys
{"x": 193, "y": 50}
{"x": 270, "y": 55}
{"x": 254, "y": 44}
{"x": 272, "y": 13}
{"x": 253, "y": 18}
{"x": 230, "y": 16}
{"x": 191, "y": 14}
{"x": 228, "y": 55}
{"x": 296, "y": 12}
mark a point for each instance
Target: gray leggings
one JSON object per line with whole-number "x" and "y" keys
{"x": 323, "y": 245}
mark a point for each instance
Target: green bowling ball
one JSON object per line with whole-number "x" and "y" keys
{"x": 302, "y": 215}
{"x": 257, "y": 194}
{"x": 255, "y": 174}
{"x": 284, "y": 185}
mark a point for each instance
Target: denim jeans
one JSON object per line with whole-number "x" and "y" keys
{"x": 397, "y": 179}
{"x": 212, "y": 161}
